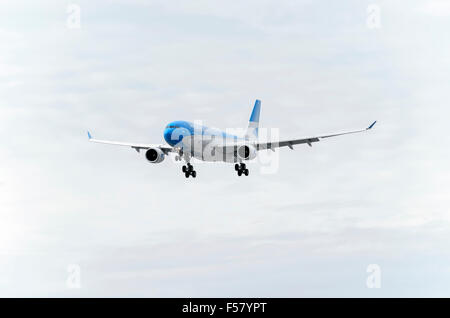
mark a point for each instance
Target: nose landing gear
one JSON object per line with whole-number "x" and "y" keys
{"x": 189, "y": 171}
{"x": 241, "y": 169}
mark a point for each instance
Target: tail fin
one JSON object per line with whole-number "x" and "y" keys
{"x": 253, "y": 123}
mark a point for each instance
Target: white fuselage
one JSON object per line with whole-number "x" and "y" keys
{"x": 210, "y": 148}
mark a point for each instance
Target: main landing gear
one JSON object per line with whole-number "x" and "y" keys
{"x": 189, "y": 171}
{"x": 241, "y": 169}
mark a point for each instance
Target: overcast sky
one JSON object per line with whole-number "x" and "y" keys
{"x": 140, "y": 229}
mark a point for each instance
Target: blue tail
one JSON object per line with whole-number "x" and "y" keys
{"x": 255, "y": 113}
{"x": 253, "y": 123}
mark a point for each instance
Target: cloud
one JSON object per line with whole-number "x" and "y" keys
{"x": 437, "y": 8}
{"x": 138, "y": 229}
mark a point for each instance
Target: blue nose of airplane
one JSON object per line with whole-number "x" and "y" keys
{"x": 168, "y": 132}
{"x": 174, "y": 136}
{"x": 176, "y": 131}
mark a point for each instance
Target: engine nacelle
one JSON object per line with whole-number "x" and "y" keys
{"x": 154, "y": 155}
{"x": 246, "y": 152}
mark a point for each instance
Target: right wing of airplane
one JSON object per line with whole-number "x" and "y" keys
{"x": 165, "y": 148}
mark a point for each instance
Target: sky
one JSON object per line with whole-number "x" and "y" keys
{"x": 84, "y": 220}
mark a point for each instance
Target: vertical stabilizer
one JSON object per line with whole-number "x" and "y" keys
{"x": 253, "y": 123}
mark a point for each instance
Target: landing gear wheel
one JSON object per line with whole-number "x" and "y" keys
{"x": 236, "y": 167}
{"x": 246, "y": 172}
{"x": 188, "y": 170}
{"x": 239, "y": 173}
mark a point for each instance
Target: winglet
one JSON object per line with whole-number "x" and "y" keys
{"x": 373, "y": 124}
{"x": 89, "y": 135}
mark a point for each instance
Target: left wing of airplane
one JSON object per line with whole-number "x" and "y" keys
{"x": 308, "y": 140}
{"x": 290, "y": 142}
{"x": 137, "y": 147}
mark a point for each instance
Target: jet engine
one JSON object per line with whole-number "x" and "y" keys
{"x": 154, "y": 155}
{"x": 246, "y": 152}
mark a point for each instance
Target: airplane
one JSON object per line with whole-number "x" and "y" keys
{"x": 188, "y": 140}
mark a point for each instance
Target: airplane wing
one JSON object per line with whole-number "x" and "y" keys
{"x": 290, "y": 142}
{"x": 137, "y": 147}
{"x": 308, "y": 140}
